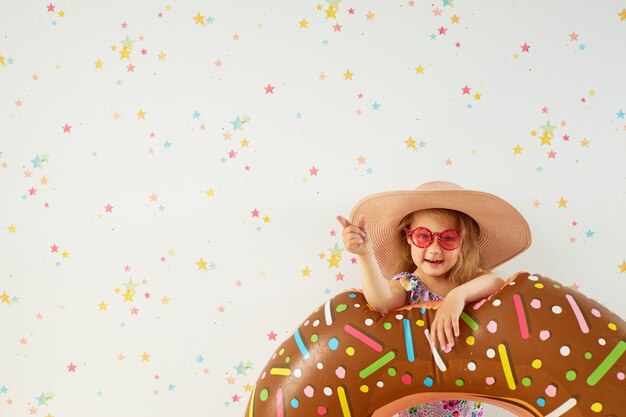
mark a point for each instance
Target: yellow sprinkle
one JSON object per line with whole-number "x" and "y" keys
{"x": 612, "y": 326}
{"x": 365, "y": 388}
{"x": 280, "y": 371}
{"x": 470, "y": 340}
{"x": 281, "y": 351}
{"x": 596, "y": 407}
{"x": 537, "y": 363}
{"x": 506, "y": 366}
{"x": 420, "y": 323}
{"x": 539, "y": 285}
{"x": 350, "y": 351}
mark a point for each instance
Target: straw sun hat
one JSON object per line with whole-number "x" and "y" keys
{"x": 504, "y": 233}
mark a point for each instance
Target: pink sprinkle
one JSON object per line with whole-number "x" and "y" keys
{"x": 544, "y": 335}
{"x": 340, "y": 372}
{"x": 595, "y": 312}
{"x": 309, "y": 391}
{"x": 321, "y": 410}
{"x": 490, "y": 380}
{"x": 620, "y": 376}
{"x": 521, "y": 316}
{"x": 492, "y": 326}
{"x": 551, "y": 391}
{"x": 406, "y": 379}
{"x": 535, "y": 303}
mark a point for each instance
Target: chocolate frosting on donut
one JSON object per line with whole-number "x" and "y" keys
{"x": 536, "y": 348}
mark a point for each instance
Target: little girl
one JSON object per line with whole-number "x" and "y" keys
{"x": 438, "y": 242}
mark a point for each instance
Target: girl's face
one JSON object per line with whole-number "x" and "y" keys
{"x": 434, "y": 261}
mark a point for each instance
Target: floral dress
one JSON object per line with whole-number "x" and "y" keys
{"x": 451, "y": 408}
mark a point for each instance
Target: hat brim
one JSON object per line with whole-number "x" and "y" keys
{"x": 504, "y": 233}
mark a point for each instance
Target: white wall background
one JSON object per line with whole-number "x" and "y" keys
{"x": 111, "y": 312}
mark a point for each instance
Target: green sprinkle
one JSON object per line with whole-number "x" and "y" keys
{"x": 377, "y": 364}
{"x": 469, "y": 321}
{"x": 264, "y": 394}
{"x": 607, "y": 363}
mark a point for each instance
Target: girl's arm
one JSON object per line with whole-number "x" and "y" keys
{"x": 382, "y": 295}
{"x": 446, "y": 323}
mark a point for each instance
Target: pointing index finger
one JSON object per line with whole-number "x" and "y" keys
{"x": 344, "y": 222}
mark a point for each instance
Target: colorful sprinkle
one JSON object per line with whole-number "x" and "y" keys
{"x": 333, "y": 343}
{"x": 408, "y": 341}
{"x": 362, "y": 337}
{"x": 596, "y": 407}
{"x": 506, "y": 366}
{"x": 607, "y": 363}
{"x": 582, "y": 322}
{"x": 377, "y": 364}
{"x": 521, "y": 315}
{"x": 264, "y": 394}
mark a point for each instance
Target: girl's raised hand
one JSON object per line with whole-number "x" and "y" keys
{"x": 355, "y": 238}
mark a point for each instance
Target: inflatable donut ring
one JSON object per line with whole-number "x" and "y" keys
{"x": 535, "y": 348}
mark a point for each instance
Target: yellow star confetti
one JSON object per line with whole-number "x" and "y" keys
{"x": 201, "y": 264}
{"x": 4, "y": 298}
{"x": 128, "y": 296}
{"x": 546, "y": 138}
{"x": 199, "y": 19}
{"x": 331, "y": 12}
{"x": 333, "y": 261}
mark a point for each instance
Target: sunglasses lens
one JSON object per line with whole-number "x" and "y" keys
{"x": 450, "y": 239}
{"x": 422, "y": 238}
